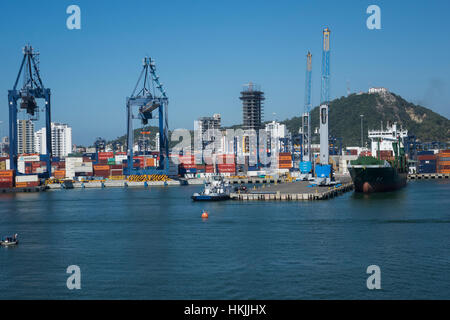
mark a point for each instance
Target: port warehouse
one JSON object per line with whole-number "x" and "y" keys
{"x": 110, "y": 165}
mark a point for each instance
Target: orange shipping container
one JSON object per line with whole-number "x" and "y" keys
{"x": 6, "y": 173}
{"x": 150, "y": 162}
{"x": 101, "y": 167}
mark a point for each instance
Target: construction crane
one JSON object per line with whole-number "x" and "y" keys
{"x": 32, "y": 89}
{"x": 149, "y": 98}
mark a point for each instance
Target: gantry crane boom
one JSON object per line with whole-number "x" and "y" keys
{"x": 306, "y": 122}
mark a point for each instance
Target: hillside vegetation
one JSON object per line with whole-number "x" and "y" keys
{"x": 345, "y": 120}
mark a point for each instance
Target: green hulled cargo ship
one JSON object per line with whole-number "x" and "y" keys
{"x": 370, "y": 174}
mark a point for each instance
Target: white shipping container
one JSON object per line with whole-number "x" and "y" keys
{"x": 41, "y": 170}
{"x": 21, "y": 166}
{"x": 74, "y": 160}
{"x": 82, "y": 169}
{"x": 29, "y": 158}
{"x": 27, "y": 178}
{"x": 119, "y": 158}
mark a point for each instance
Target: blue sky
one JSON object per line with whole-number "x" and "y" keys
{"x": 205, "y": 51}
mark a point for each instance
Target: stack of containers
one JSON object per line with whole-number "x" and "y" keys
{"x": 59, "y": 169}
{"x": 116, "y": 170}
{"x": 187, "y": 164}
{"x": 27, "y": 181}
{"x": 6, "y": 178}
{"x": 226, "y": 164}
{"x": 151, "y": 162}
{"x": 426, "y": 162}
{"x": 201, "y": 168}
{"x": 104, "y": 156}
{"x": 120, "y": 157}
{"x": 24, "y": 162}
{"x": 4, "y": 163}
{"x": 59, "y": 174}
{"x": 443, "y": 163}
{"x": 84, "y": 169}
{"x": 101, "y": 170}
{"x": 366, "y": 153}
{"x": 385, "y": 155}
{"x": 284, "y": 160}
{"x": 72, "y": 163}
{"x": 138, "y": 161}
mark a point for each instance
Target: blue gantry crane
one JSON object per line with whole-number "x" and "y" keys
{"x": 149, "y": 99}
{"x": 32, "y": 89}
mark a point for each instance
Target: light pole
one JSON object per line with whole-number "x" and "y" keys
{"x": 362, "y": 136}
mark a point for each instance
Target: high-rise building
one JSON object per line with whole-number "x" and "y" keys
{"x": 40, "y": 141}
{"x": 252, "y": 107}
{"x": 25, "y": 136}
{"x": 61, "y": 140}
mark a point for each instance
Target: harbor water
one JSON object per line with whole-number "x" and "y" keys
{"x": 153, "y": 244}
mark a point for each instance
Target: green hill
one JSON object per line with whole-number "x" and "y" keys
{"x": 345, "y": 121}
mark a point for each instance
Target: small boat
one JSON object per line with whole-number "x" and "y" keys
{"x": 10, "y": 241}
{"x": 216, "y": 189}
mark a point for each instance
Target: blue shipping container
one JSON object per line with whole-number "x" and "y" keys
{"x": 423, "y": 153}
{"x": 305, "y": 166}
{"x": 323, "y": 171}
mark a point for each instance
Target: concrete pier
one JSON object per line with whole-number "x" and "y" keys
{"x": 293, "y": 191}
{"x": 420, "y": 176}
{"x": 116, "y": 184}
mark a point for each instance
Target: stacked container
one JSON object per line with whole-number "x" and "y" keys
{"x": 385, "y": 155}
{"x": 443, "y": 161}
{"x": 6, "y": 178}
{"x": 284, "y": 160}
{"x": 426, "y": 162}
{"x": 226, "y": 164}
{"x": 187, "y": 164}
{"x": 101, "y": 170}
{"x": 27, "y": 181}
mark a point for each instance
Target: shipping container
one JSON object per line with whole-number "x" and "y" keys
{"x": 422, "y": 153}
{"x": 6, "y": 173}
{"x": 27, "y": 178}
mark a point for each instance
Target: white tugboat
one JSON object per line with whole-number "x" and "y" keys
{"x": 216, "y": 189}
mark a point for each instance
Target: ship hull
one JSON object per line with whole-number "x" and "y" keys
{"x": 210, "y": 197}
{"x": 377, "y": 179}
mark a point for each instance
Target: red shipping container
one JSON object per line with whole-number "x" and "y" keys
{"x": 427, "y": 157}
{"x": 116, "y": 172}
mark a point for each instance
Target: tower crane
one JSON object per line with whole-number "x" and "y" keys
{"x": 149, "y": 98}
{"x": 32, "y": 89}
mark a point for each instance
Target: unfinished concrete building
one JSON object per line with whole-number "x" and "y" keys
{"x": 252, "y": 107}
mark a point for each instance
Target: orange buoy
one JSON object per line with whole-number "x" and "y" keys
{"x": 205, "y": 215}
